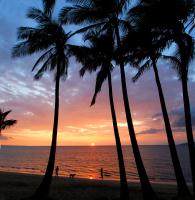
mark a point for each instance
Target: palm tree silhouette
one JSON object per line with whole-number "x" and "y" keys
{"x": 5, "y": 123}
{"x": 186, "y": 51}
{"x": 144, "y": 48}
{"x": 98, "y": 54}
{"x": 47, "y": 37}
{"x": 99, "y": 15}
{"x": 172, "y": 27}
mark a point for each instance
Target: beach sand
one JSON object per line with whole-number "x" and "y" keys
{"x": 14, "y": 186}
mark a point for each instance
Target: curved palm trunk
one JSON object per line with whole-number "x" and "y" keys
{"x": 148, "y": 192}
{"x": 43, "y": 190}
{"x": 189, "y": 132}
{"x": 124, "y": 191}
{"x": 181, "y": 183}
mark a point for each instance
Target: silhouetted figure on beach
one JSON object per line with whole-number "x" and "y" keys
{"x": 72, "y": 175}
{"x": 57, "y": 170}
{"x": 102, "y": 173}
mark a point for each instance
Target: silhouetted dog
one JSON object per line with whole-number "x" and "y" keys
{"x": 72, "y": 175}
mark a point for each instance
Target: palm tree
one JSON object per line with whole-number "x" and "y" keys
{"x": 186, "y": 50}
{"x": 5, "y": 123}
{"x": 146, "y": 51}
{"x": 47, "y": 37}
{"x": 99, "y": 55}
{"x": 150, "y": 14}
{"x": 99, "y": 15}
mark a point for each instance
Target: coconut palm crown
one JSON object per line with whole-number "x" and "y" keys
{"x": 5, "y": 123}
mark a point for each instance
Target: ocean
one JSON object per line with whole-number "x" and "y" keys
{"x": 87, "y": 161}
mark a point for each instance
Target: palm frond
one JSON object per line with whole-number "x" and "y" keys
{"x": 190, "y": 24}
{"x": 146, "y": 66}
{"x": 3, "y": 122}
{"x": 101, "y": 77}
{"x": 86, "y": 56}
{"x": 172, "y": 59}
{"x": 81, "y": 15}
{"x": 43, "y": 57}
{"x": 80, "y": 52}
{"x": 192, "y": 28}
{"x": 23, "y": 49}
{"x": 50, "y": 63}
{"x": 38, "y": 15}
{"x": 25, "y": 32}
{"x": 185, "y": 52}
{"x": 90, "y": 65}
{"x": 31, "y": 46}
{"x": 3, "y": 115}
{"x": 8, "y": 123}
{"x": 124, "y": 26}
{"x": 48, "y": 6}
{"x": 82, "y": 71}
{"x": 87, "y": 29}
{"x": 86, "y": 3}
{"x": 124, "y": 6}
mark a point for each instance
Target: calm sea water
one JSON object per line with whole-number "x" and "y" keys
{"x": 86, "y": 162}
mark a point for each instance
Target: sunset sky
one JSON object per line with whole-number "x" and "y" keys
{"x": 32, "y": 101}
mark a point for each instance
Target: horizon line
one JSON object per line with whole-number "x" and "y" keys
{"x": 87, "y": 145}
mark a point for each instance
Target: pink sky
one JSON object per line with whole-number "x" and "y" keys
{"x": 79, "y": 124}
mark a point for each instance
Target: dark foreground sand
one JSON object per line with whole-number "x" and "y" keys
{"x": 14, "y": 186}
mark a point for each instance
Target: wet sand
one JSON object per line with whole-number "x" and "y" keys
{"x": 14, "y": 186}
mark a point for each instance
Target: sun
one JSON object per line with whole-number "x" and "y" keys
{"x": 92, "y": 144}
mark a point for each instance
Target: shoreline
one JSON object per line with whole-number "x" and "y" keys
{"x": 14, "y": 186}
{"x": 93, "y": 179}
{"x": 86, "y": 179}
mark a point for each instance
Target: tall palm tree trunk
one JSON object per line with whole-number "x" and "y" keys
{"x": 148, "y": 192}
{"x": 189, "y": 132}
{"x": 43, "y": 190}
{"x": 124, "y": 191}
{"x": 181, "y": 183}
